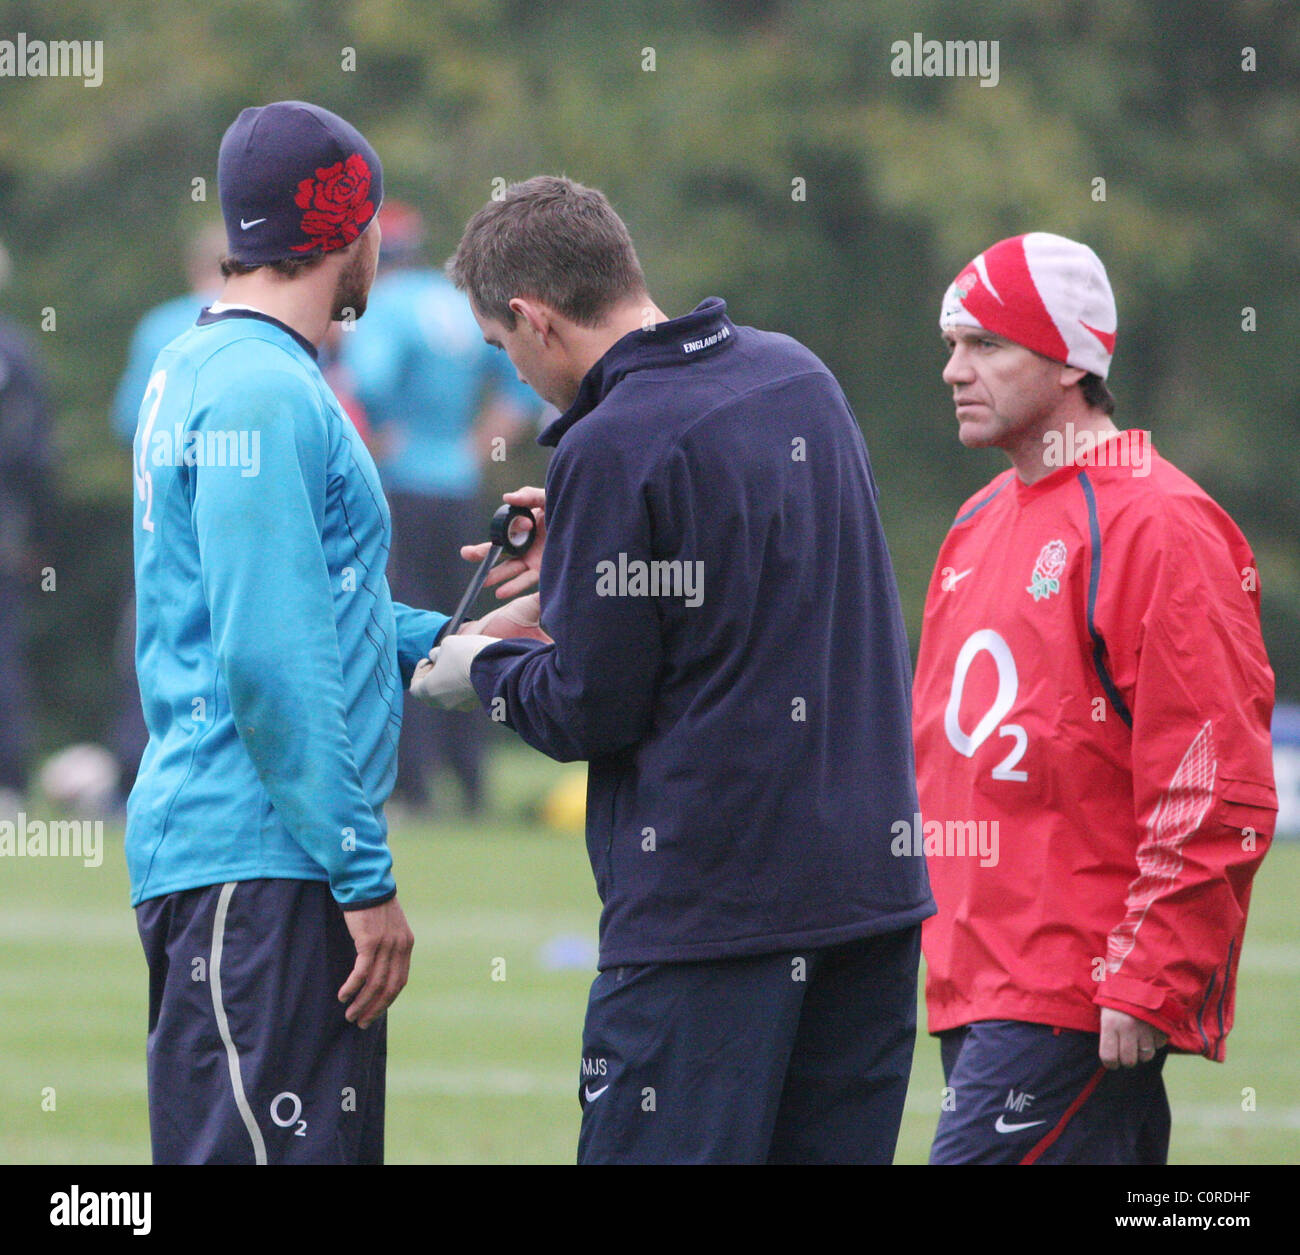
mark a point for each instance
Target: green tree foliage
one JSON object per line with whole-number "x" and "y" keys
{"x": 760, "y": 150}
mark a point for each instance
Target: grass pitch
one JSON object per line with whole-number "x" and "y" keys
{"x": 485, "y": 1070}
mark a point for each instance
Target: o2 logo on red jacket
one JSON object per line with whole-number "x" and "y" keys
{"x": 986, "y": 640}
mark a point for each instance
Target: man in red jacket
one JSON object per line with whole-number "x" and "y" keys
{"x": 1092, "y": 704}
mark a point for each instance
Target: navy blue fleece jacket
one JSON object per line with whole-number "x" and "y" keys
{"x": 729, "y": 653}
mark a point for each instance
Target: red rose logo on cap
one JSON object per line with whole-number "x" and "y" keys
{"x": 338, "y": 205}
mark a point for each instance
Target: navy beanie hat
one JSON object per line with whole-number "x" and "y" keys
{"x": 295, "y": 179}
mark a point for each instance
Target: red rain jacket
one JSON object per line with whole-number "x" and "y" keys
{"x": 1092, "y": 705}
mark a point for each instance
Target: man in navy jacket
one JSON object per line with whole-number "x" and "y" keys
{"x": 727, "y": 653}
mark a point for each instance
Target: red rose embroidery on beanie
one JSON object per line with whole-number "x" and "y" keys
{"x": 338, "y": 205}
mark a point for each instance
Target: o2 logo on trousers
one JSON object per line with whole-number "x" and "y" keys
{"x": 986, "y": 640}
{"x": 285, "y": 1110}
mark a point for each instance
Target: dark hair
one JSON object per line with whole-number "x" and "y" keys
{"x": 289, "y": 267}
{"x": 1097, "y": 395}
{"x": 553, "y": 240}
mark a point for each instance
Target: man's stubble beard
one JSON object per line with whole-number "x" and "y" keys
{"x": 352, "y": 290}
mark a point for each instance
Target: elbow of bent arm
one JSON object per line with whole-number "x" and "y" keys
{"x": 611, "y": 724}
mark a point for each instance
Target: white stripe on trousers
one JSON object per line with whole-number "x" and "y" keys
{"x": 223, "y": 1025}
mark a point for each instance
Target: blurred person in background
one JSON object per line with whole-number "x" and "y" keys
{"x": 440, "y": 403}
{"x": 26, "y": 461}
{"x": 163, "y": 323}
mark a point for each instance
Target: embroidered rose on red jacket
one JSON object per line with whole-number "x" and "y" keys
{"x": 1046, "y": 577}
{"x": 1051, "y": 561}
{"x": 338, "y": 204}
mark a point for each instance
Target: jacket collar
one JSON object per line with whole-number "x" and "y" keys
{"x": 706, "y": 330}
